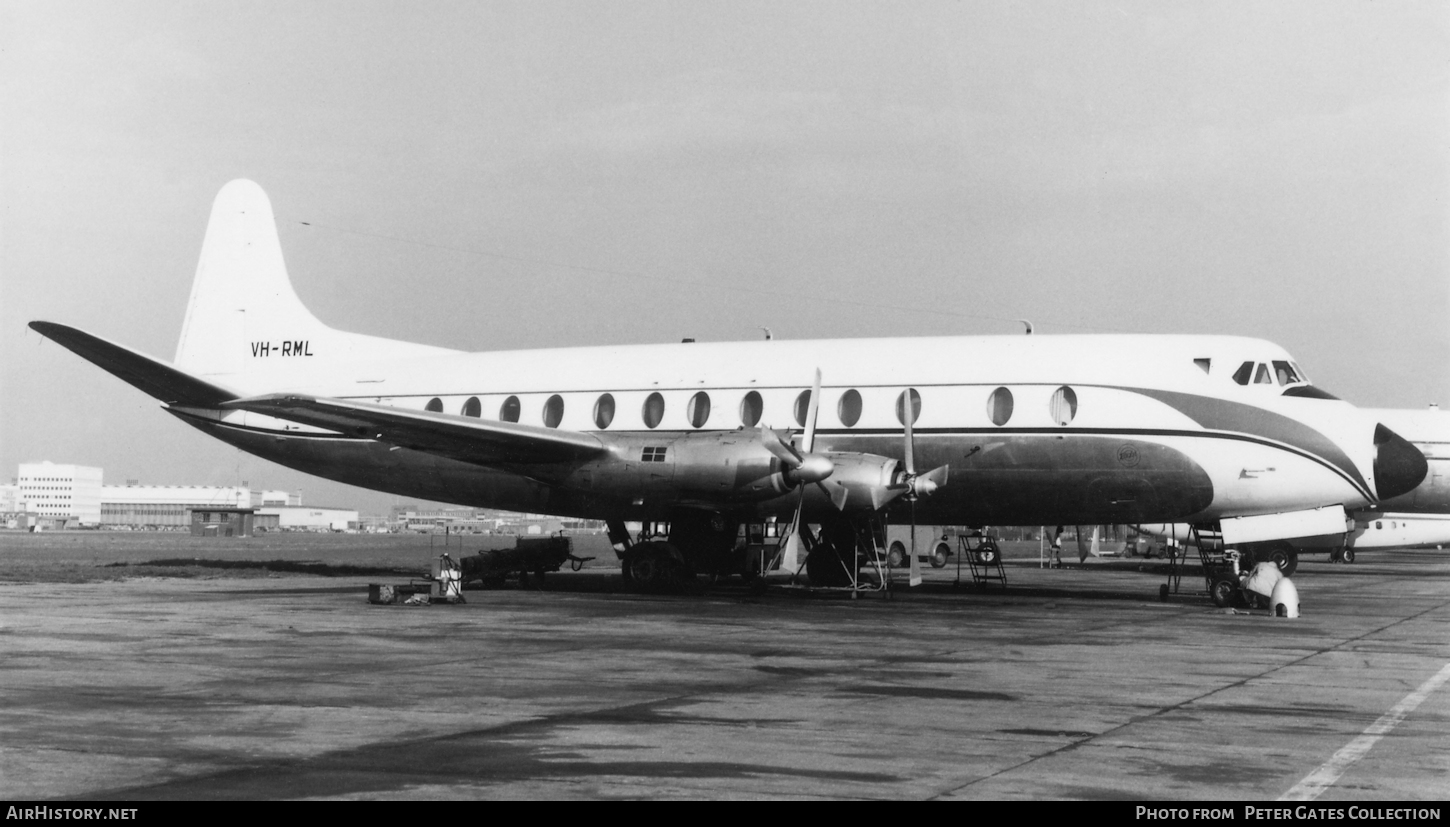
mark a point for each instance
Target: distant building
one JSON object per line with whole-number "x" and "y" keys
{"x": 266, "y": 498}
{"x": 68, "y": 493}
{"x": 61, "y": 496}
{"x": 441, "y": 518}
{"x": 165, "y": 506}
{"x": 306, "y": 518}
{"x": 10, "y": 498}
{"x": 222, "y": 522}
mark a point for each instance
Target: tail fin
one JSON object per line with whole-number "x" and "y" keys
{"x": 245, "y": 326}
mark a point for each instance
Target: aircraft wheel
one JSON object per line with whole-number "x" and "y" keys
{"x": 1223, "y": 593}
{"x": 897, "y": 555}
{"x": 653, "y": 568}
{"x": 939, "y": 555}
{"x": 1163, "y": 593}
{"x": 1282, "y": 555}
{"x": 987, "y": 554}
{"x": 1347, "y": 555}
{"x": 646, "y": 570}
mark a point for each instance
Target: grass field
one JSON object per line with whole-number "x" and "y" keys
{"x": 79, "y": 556}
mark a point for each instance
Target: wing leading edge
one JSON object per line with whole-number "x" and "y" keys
{"x": 478, "y": 441}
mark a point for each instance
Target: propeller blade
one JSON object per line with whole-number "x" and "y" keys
{"x": 881, "y": 496}
{"x": 925, "y": 484}
{"x": 837, "y": 493}
{"x": 910, "y": 440}
{"x": 914, "y": 569}
{"x": 810, "y": 438}
{"x": 780, "y": 448}
{"x": 790, "y": 560}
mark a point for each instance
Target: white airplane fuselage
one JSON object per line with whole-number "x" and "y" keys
{"x": 1152, "y": 434}
{"x": 1033, "y": 429}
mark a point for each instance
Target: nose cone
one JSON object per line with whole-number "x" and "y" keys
{"x": 1398, "y": 465}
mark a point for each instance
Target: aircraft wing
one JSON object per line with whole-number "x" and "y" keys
{"x": 464, "y": 438}
{"x": 153, "y": 376}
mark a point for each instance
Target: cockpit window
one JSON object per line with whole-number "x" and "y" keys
{"x": 1262, "y": 377}
{"x": 1286, "y": 373}
{"x": 1242, "y": 375}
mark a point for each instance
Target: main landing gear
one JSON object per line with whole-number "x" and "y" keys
{"x": 668, "y": 557}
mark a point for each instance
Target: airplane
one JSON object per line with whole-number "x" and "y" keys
{"x": 1419, "y": 518}
{"x": 1017, "y": 430}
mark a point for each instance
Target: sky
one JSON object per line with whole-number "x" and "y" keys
{"x": 501, "y": 175}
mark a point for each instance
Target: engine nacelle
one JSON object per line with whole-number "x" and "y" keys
{"x": 732, "y": 465}
{"x": 736, "y": 466}
{"x": 861, "y": 482}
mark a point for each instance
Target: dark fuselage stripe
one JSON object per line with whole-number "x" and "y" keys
{"x": 958, "y": 432}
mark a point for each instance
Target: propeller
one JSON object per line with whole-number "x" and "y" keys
{"x": 802, "y": 467}
{"x": 914, "y": 486}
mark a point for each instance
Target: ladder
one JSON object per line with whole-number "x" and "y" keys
{"x": 984, "y": 559}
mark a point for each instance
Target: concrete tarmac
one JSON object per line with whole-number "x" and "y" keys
{"x": 1070, "y": 684}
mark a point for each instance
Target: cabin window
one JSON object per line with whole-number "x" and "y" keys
{"x": 553, "y": 411}
{"x": 1286, "y": 374}
{"x": 802, "y": 407}
{"x": 751, "y": 408}
{"x": 698, "y": 409}
{"x": 1378, "y": 525}
{"x": 999, "y": 406}
{"x": 849, "y": 408}
{"x": 654, "y": 410}
{"x": 472, "y": 407}
{"x": 435, "y": 405}
{"x": 604, "y": 411}
{"x": 1064, "y": 405}
{"x": 1242, "y": 375}
{"x": 901, "y": 403}
{"x": 509, "y": 410}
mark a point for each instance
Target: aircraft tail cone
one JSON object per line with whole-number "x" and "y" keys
{"x": 1285, "y": 598}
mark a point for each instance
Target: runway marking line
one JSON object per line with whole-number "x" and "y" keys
{"x": 1315, "y": 783}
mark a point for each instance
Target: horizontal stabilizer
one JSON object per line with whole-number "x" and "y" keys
{"x": 153, "y": 376}
{"x": 464, "y": 438}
